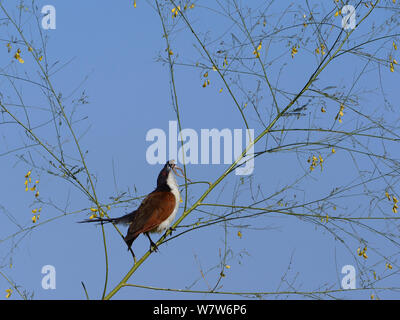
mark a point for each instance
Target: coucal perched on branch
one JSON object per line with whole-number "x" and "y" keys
{"x": 157, "y": 210}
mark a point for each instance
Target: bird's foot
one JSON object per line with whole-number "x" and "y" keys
{"x": 171, "y": 229}
{"x": 153, "y": 247}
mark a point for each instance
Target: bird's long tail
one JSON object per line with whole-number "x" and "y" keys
{"x": 124, "y": 219}
{"x": 100, "y": 220}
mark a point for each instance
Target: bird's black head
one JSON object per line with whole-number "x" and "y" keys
{"x": 164, "y": 173}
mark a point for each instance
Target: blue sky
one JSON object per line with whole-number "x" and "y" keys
{"x": 113, "y": 51}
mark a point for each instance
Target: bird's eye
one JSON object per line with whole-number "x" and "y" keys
{"x": 171, "y": 164}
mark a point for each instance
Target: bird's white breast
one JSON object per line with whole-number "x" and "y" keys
{"x": 171, "y": 181}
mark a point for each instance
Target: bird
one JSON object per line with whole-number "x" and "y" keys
{"x": 156, "y": 212}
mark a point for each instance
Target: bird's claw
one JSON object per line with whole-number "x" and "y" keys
{"x": 171, "y": 229}
{"x": 153, "y": 247}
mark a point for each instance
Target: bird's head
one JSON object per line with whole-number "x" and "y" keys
{"x": 169, "y": 168}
